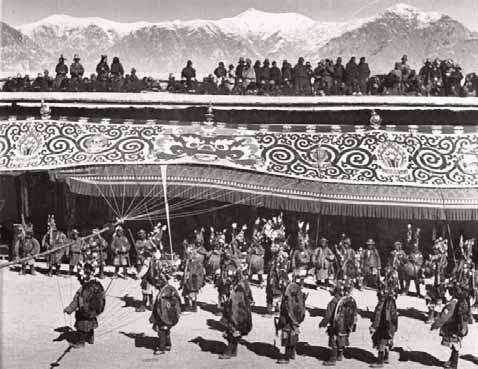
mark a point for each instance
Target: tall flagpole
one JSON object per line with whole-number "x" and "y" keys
{"x": 164, "y": 171}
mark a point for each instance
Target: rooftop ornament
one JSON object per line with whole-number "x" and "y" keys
{"x": 45, "y": 111}
{"x": 209, "y": 123}
{"x": 375, "y": 120}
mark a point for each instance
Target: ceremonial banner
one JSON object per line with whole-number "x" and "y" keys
{"x": 362, "y": 157}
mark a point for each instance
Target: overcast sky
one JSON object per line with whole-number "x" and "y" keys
{"x": 16, "y": 12}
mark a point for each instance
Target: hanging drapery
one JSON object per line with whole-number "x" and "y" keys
{"x": 281, "y": 193}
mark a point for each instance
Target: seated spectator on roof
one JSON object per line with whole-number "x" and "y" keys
{"x": 220, "y": 72}
{"x": 189, "y": 74}
{"x": 276, "y": 74}
{"x": 76, "y": 68}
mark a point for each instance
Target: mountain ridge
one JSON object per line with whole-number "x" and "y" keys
{"x": 163, "y": 47}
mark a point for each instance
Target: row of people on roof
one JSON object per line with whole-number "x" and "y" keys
{"x": 435, "y": 78}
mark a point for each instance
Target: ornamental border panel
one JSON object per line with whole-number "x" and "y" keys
{"x": 366, "y": 157}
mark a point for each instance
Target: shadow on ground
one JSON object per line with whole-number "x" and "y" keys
{"x": 262, "y": 349}
{"x": 211, "y": 308}
{"x": 355, "y": 353}
{"x": 413, "y": 313}
{"x": 214, "y": 347}
{"x": 317, "y": 352}
{"x": 315, "y": 312}
{"x": 67, "y": 334}
{"x": 216, "y": 325}
{"x": 141, "y": 340}
{"x": 366, "y": 314}
{"x": 130, "y": 301}
{"x": 420, "y": 357}
{"x": 470, "y": 358}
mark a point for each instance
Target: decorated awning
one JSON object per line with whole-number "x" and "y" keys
{"x": 369, "y": 171}
{"x": 281, "y": 193}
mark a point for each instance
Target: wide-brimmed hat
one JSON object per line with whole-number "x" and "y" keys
{"x": 370, "y": 241}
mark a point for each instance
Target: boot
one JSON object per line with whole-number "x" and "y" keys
{"x": 292, "y": 353}
{"x": 150, "y": 305}
{"x": 452, "y": 362}
{"x": 431, "y": 316}
{"x": 385, "y": 357}
{"x": 284, "y": 359}
{"x": 332, "y": 359}
{"x": 102, "y": 273}
{"x": 269, "y": 309}
{"x": 340, "y": 355}
{"x": 379, "y": 363}
{"x": 455, "y": 360}
{"x": 186, "y": 304}
{"x": 419, "y": 292}
{"x": 81, "y": 341}
{"x": 160, "y": 350}
{"x": 33, "y": 271}
{"x": 22, "y": 270}
{"x": 168, "y": 341}
{"x": 194, "y": 306}
{"x": 229, "y": 351}
{"x": 142, "y": 308}
{"x": 50, "y": 272}
{"x": 70, "y": 271}
{"x": 234, "y": 347}
{"x": 90, "y": 337}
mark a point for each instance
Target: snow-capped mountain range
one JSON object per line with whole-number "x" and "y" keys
{"x": 164, "y": 47}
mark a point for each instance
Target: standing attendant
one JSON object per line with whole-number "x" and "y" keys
{"x": 323, "y": 262}
{"x": 77, "y": 248}
{"x": 96, "y": 252}
{"x": 371, "y": 264}
{"x": 144, "y": 248}
{"x": 28, "y": 246}
{"x": 152, "y": 278}
{"x": 120, "y": 247}
{"x": 52, "y": 240}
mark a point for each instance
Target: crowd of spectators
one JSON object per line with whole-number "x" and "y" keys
{"x": 434, "y": 78}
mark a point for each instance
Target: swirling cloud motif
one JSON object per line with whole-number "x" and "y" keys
{"x": 373, "y": 157}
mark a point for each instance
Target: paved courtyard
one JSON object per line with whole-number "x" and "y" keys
{"x": 34, "y": 332}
